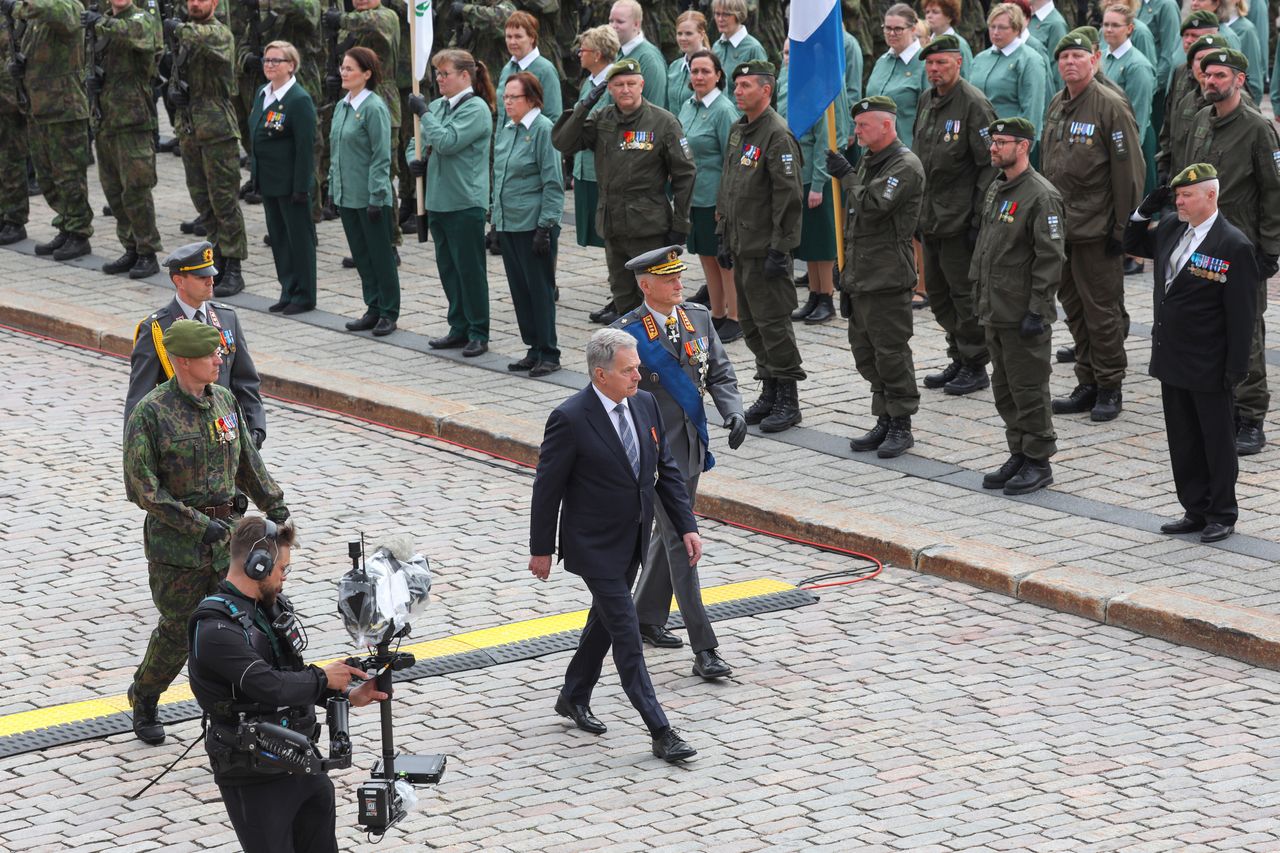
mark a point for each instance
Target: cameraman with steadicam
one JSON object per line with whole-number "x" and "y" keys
{"x": 246, "y": 668}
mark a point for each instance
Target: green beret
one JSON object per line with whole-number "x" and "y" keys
{"x": 1207, "y": 42}
{"x": 1194, "y": 174}
{"x": 1202, "y": 20}
{"x": 1228, "y": 57}
{"x": 1015, "y": 126}
{"x": 623, "y": 66}
{"x": 189, "y": 339}
{"x": 941, "y": 44}
{"x": 193, "y": 258}
{"x": 754, "y": 66}
{"x": 876, "y": 103}
{"x": 1081, "y": 38}
{"x": 664, "y": 261}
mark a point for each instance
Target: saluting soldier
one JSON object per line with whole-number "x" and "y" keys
{"x": 126, "y": 52}
{"x": 1091, "y": 151}
{"x": 186, "y": 461}
{"x": 638, "y": 149}
{"x": 950, "y": 138}
{"x": 191, "y": 269}
{"x": 884, "y": 197}
{"x": 1243, "y": 146}
{"x": 1016, "y": 269}
{"x": 758, "y": 215}
{"x": 15, "y": 206}
{"x": 627, "y": 19}
{"x": 681, "y": 360}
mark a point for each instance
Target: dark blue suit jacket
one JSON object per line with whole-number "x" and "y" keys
{"x": 605, "y": 511}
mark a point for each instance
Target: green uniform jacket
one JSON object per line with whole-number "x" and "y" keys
{"x": 584, "y": 162}
{"x": 1164, "y": 19}
{"x": 528, "y": 181}
{"x": 282, "y": 143}
{"x": 1135, "y": 75}
{"x": 127, "y": 49}
{"x": 885, "y": 198}
{"x": 360, "y": 154}
{"x": 635, "y": 156}
{"x": 460, "y": 139}
{"x": 903, "y": 82}
{"x": 1275, "y": 82}
{"x": 853, "y": 67}
{"x": 552, "y": 97}
{"x": 951, "y": 141}
{"x": 731, "y": 57}
{"x": 1049, "y": 31}
{"x": 761, "y": 200}
{"x": 678, "y": 88}
{"x": 1181, "y": 104}
{"x": 1251, "y": 47}
{"x": 53, "y": 44}
{"x": 379, "y": 30}
{"x": 1244, "y": 148}
{"x": 1091, "y": 151}
{"x": 1015, "y": 84}
{"x": 653, "y": 65}
{"x": 183, "y": 453}
{"x": 1017, "y": 263}
{"x": 1144, "y": 41}
{"x": 211, "y": 84}
{"x": 707, "y": 130}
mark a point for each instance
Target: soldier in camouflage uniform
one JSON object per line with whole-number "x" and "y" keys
{"x": 202, "y": 91}
{"x": 126, "y": 51}
{"x": 481, "y": 28}
{"x": 49, "y": 37}
{"x": 185, "y": 456}
{"x": 14, "y": 207}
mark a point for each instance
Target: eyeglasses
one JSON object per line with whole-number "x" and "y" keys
{"x": 583, "y": 50}
{"x": 895, "y": 31}
{"x": 1113, "y": 26}
{"x": 271, "y": 60}
{"x": 440, "y": 75}
{"x": 513, "y": 97}
{"x": 1000, "y": 143}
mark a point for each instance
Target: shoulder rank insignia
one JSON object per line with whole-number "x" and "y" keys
{"x": 650, "y": 326}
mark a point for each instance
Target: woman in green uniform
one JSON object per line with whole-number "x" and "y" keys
{"x": 706, "y": 117}
{"x": 941, "y": 17}
{"x": 596, "y": 50}
{"x": 522, "y": 41}
{"x": 691, "y": 36}
{"x": 898, "y": 73}
{"x": 1128, "y": 68}
{"x": 735, "y": 45}
{"x": 1009, "y": 73}
{"x": 360, "y": 183}
{"x": 528, "y": 199}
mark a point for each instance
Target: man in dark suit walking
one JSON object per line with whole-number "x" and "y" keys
{"x": 603, "y": 461}
{"x": 1206, "y": 278}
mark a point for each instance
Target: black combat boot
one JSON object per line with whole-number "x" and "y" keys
{"x": 968, "y": 380}
{"x": 193, "y": 226}
{"x": 11, "y": 233}
{"x": 786, "y": 408}
{"x": 146, "y": 266}
{"x": 1250, "y": 438}
{"x": 1108, "y": 405}
{"x": 250, "y": 193}
{"x": 942, "y": 377}
{"x": 822, "y": 312}
{"x": 75, "y": 246}
{"x": 146, "y": 719}
{"x": 761, "y": 408}
{"x": 806, "y": 309}
{"x": 232, "y": 281}
{"x": 872, "y": 439}
{"x": 124, "y": 263}
{"x": 1034, "y": 475}
{"x": 899, "y": 440}
{"x": 1006, "y": 472}
{"x": 51, "y": 246}
{"x": 1081, "y": 400}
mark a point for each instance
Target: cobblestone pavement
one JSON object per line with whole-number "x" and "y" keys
{"x": 904, "y": 713}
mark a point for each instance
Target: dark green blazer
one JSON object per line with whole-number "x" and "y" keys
{"x": 282, "y": 140}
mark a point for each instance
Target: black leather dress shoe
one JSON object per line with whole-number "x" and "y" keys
{"x": 450, "y": 341}
{"x": 943, "y": 376}
{"x": 295, "y": 308}
{"x": 348, "y": 263}
{"x": 1186, "y": 524}
{"x": 475, "y": 348}
{"x": 384, "y": 327}
{"x": 364, "y": 324}
{"x": 544, "y": 368}
{"x": 277, "y": 307}
{"x": 1006, "y": 472}
{"x": 1215, "y": 532}
{"x": 710, "y": 665}
{"x": 523, "y": 364}
{"x": 1250, "y": 438}
{"x": 671, "y": 748}
{"x": 581, "y": 716}
{"x": 658, "y": 635}
{"x": 598, "y": 315}
{"x": 1034, "y": 475}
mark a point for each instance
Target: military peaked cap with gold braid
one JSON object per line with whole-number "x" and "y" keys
{"x": 192, "y": 259}
{"x": 664, "y": 261}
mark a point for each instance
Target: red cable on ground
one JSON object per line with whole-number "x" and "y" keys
{"x": 835, "y": 549}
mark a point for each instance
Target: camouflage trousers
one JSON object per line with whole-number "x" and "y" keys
{"x": 127, "y": 171}
{"x": 60, "y": 151}
{"x": 213, "y": 180}
{"x": 176, "y": 590}
{"x": 14, "y": 207}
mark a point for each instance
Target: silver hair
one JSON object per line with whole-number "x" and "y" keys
{"x": 604, "y": 347}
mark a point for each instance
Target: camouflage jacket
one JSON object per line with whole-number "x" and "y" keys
{"x": 53, "y": 44}
{"x": 182, "y": 453}
{"x": 8, "y": 86}
{"x": 483, "y": 32}
{"x": 127, "y": 48}
{"x": 379, "y": 30}
{"x": 404, "y": 57}
{"x": 298, "y": 22}
{"x": 204, "y": 60}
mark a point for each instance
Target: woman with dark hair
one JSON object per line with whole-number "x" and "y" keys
{"x": 457, "y": 129}
{"x": 360, "y": 184}
{"x": 899, "y": 72}
{"x": 528, "y": 200}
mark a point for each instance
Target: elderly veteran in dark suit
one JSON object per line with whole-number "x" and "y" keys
{"x": 191, "y": 270}
{"x": 681, "y": 359}
{"x": 603, "y": 465}
{"x": 1206, "y": 279}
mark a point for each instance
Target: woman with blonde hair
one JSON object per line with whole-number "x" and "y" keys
{"x": 597, "y": 48}
{"x": 735, "y": 45}
{"x": 899, "y": 72}
{"x": 1010, "y": 73}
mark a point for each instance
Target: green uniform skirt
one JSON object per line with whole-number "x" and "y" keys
{"x": 586, "y": 197}
{"x": 702, "y": 239}
{"x": 817, "y": 229}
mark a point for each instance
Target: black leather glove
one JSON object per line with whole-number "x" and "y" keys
{"x": 215, "y": 532}
{"x": 259, "y": 437}
{"x": 374, "y": 212}
{"x": 676, "y": 238}
{"x": 171, "y": 26}
{"x": 1231, "y": 380}
{"x": 491, "y": 240}
{"x": 593, "y": 97}
{"x": 737, "y": 426}
{"x": 252, "y": 63}
{"x": 1269, "y": 264}
{"x": 455, "y": 10}
{"x": 1155, "y": 201}
{"x": 418, "y": 104}
{"x": 332, "y": 19}
{"x": 846, "y": 304}
{"x": 971, "y": 237}
{"x": 332, "y": 86}
{"x": 837, "y": 165}
{"x": 179, "y": 97}
{"x": 418, "y": 168}
{"x": 90, "y": 17}
{"x": 300, "y": 198}
{"x": 1114, "y": 247}
{"x": 776, "y": 264}
{"x": 1032, "y": 325}
{"x": 542, "y": 241}
{"x": 723, "y": 256}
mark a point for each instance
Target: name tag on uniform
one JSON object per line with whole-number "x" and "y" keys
{"x": 637, "y": 140}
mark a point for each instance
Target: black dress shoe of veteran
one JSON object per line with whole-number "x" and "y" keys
{"x": 581, "y": 716}
{"x": 1186, "y": 524}
{"x": 368, "y": 321}
{"x": 475, "y": 348}
{"x": 670, "y": 747}
{"x": 710, "y": 665}
{"x": 1215, "y": 532}
{"x": 658, "y": 635}
{"x": 450, "y": 341}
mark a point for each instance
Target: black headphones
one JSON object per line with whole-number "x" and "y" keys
{"x": 261, "y": 561}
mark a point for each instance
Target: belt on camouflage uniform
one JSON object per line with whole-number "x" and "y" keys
{"x": 223, "y": 510}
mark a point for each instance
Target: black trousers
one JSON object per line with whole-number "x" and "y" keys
{"x": 1202, "y": 450}
{"x": 612, "y": 622}
{"x": 292, "y": 813}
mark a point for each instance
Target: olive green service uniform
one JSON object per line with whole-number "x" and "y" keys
{"x": 678, "y": 88}
{"x": 1251, "y": 47}
{"x": 954, "y": 150}
{"x": 14, "y": 201}
{"x": 539, "y": 66}
{"x": 900, "y": 78}
{"x": 1184, "y": 100}
{"x": 1130, "y": 69}
{"x": 1047, "y": 27}
{"x": 1162, "y": 17}
{"x": 185, "y": 458}
{"x": 706, "y": 123}
{"x": 653, "y": 66}
{"x": 1015, "y": 81}
{"x": 586, "y": 190}
{"x": 742, "y": 47}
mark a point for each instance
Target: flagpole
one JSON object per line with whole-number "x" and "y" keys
{"x": 420, "y": 183}
{"x": 837, "y": 197}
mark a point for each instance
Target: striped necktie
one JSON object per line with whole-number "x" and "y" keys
{"x": 628, "y": 438}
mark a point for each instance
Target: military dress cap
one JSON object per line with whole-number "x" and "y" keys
{"x": 1231, "y": 58}
{"x": 193, "y": 258}
{"x": 875, "y": 104}
{"x": 755, "y": 66}
{"x": 623, "y": 66}
{"x": 941, "y": 44}
{"x": 1081, "y": 38}
{"x": 664, "y": 261}
{"x": 1201, "y": 20}
{"x": 1194, "y": 174}
{"x": 1207, "y": 42}
{"x": 1015, "y": 126}
{"x": 189, "y": 339}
